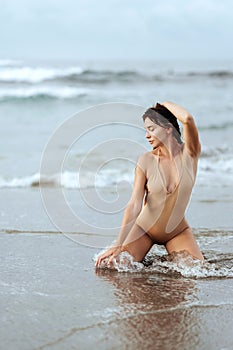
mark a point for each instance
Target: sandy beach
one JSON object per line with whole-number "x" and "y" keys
{"x": 51, "y": 296}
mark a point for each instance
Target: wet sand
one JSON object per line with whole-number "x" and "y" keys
{"x": 53, "y": 298}
{"x": 22, "y": 209}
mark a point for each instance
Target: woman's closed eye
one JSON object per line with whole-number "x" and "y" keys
{"x": 150, "y": 128}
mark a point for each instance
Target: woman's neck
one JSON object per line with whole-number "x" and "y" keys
{"x": 168, "y": 151}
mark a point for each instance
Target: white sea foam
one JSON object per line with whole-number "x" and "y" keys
{"x": 67, "y": 179}
{"x": 60, "y": 92}
{"x": 16, "y": 71}
{"x": 207, "y": 152}
{"x": 35, "y": 74}
{"x": 216, "y": 160}
{"x": 27, "y": 181}
{"x": 221, "y": 165}
{"x": 180, "y": 263}
{"x": 8, "y": 63}
{"x": 219, "y": 171}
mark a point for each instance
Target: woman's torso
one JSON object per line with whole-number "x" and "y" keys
{"x": 162, "y": 215}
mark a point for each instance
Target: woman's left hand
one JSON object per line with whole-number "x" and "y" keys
{"x": 110, "y": 253}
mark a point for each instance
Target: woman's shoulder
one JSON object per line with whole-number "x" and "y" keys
{"x": 144, "y": 160}
{"x": 145, "y": 156}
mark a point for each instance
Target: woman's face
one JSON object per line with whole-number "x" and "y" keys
{"x": 155, "y": 134}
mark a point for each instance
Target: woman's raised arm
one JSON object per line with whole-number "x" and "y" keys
{"x": 191, "y": 136}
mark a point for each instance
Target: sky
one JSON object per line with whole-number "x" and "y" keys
{"x": 116, "y": 29}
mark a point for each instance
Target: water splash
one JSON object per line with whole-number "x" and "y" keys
{"x": 177, "y": 263}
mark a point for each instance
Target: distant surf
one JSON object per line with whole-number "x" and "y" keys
{"x": 42, "y": 92}
{"x": 17, "y": 72}
{"x": 214, "y": 162}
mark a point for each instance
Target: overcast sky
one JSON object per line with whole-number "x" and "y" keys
{"x": 148, "y": 29}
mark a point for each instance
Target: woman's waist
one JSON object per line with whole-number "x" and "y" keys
{"x": 159, "y": 233}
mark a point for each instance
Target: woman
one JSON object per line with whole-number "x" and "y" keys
{"x": 164, "y": 178}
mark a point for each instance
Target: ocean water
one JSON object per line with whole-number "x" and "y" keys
{"x": 38, "y": 98}
{"x": 35, "y": 98}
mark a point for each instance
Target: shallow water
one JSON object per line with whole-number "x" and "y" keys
{"x": 217, "y": 264}
{"x": 53, "y": 298}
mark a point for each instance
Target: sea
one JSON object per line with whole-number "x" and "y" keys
{"x": 82, "y": 119}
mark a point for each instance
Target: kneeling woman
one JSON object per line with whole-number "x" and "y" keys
{"x": 164, "y": 179}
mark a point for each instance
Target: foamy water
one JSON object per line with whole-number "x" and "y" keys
{"x": 215, "y": 164}
{"x": 31, "y": 79}
{"x": 34, "y": 74}
{"x": 23, "y": 93}
{"x": 180, "y": 263}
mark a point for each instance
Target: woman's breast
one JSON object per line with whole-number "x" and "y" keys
{"x": 163, "y": 212}
{"x": 155, "y": 186}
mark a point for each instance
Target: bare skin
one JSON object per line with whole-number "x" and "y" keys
{"x": 131, "y": 237}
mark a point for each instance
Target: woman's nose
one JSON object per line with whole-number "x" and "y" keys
{"x": 147, "y": 134}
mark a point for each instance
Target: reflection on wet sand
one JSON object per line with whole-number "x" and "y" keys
{"x": 155, "y": 311}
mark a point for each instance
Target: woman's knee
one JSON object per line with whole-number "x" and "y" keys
{"x": 184, "y": 241}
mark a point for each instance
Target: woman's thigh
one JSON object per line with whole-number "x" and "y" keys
{"x": 184, "y": 241}
{"x": 137, "y": 243}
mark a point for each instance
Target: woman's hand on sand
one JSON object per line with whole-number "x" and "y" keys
{"x": 110, "y": 253}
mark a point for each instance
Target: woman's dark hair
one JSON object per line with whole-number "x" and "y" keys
{"x": 162, "y": 116}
